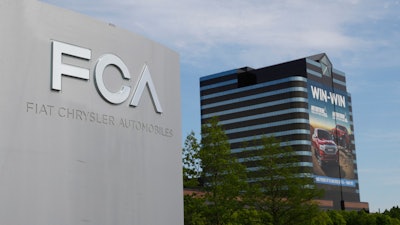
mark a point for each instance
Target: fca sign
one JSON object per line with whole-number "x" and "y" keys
{"x": 59, "y": 69}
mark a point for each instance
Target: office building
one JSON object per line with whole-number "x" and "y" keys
{"x": 305, "y": 104}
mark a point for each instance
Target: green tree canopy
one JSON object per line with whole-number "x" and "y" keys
{"x": 280, "y": 185}
{"x": 394, "y": 212}
{"x": 191, "y": 161}
{"x": 223, "y": 176}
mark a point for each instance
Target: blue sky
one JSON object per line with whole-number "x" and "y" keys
{"x": 361, "y": 38}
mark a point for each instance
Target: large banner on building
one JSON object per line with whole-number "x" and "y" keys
{"x": 90, "y": 122}
{"x": 332, "y": 150}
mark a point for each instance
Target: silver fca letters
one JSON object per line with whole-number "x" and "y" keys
{"x": 59, "y": 68}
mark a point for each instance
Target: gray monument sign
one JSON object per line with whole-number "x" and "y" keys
{"x": 90, "y": 122}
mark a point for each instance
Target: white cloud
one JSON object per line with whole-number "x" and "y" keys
{"x": 280, "y": 28}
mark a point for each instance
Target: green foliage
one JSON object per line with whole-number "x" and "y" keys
{"x": 336, "y": 218}
{"x": 381, "y": 219}
{"x": 353, "y": 217}
{"x": 224, "y": 177}
{"x": 394, "y": 212}
{"x": 251, "y": 217}
{"x": 323, "y": 218}
{"x": 283, "y": 189}
{"x": 395, "y": 221}
{"x": 194, "y": 208}
{"x": 362, "y": 217}
{"x": 356, "y": 217}
{"x": 191, "y": 161}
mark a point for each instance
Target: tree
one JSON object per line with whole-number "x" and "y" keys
{"x": 324, "y": 219}
{"x": 194, "y": 208}
{"x": 336, "y": 217}
{"x": 281, "y": 187}
{"x": 356, "y": 218}
{"x": 224, "y": 177}
{"x": 191, "y": 161}
{"x": 250, "y": 216}
{"x": 194, "y": 205}
{"x": 394, "y": 212}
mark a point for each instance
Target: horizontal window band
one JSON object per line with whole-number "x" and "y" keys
{"x": 276, "y": 134}
{"x": 282, "y": 144}
{"x": 254, "y": 107}
{"x": 256, "y": 96}
{"x": 265, "y": 125}
{"x": 264, "y": 115}
{"x": 295, "y": 153}
{"x": 312, "y": 72}
{"x": 251, "y": 102}
{"x": 312, "y": 62}
{"x": 298, "y": 164}
{"x": 261, "y": 85}
{"x": 220, "y": 84}
{"x": 217, "y": 75}
{"x": 338, "y": 72}
{"x": 339, "y": 82}
{"x": 248, "y": 92}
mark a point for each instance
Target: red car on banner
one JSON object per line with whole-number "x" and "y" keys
{"x": 341, "y": 136}
{"x": 325, "y": 148}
